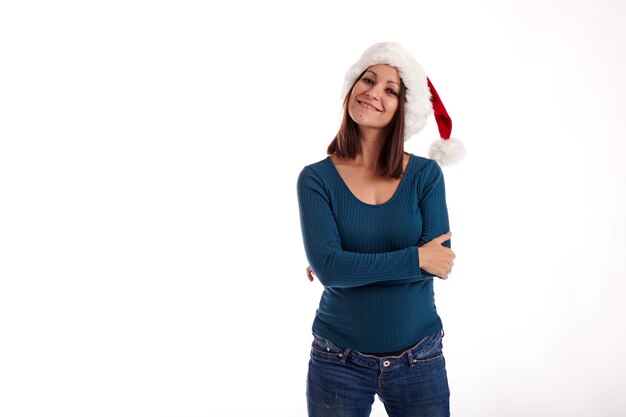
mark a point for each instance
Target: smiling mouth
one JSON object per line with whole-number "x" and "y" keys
{"x": 367, "y": 106}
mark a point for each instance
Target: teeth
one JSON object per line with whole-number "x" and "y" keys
{"x": 368, "y": 106}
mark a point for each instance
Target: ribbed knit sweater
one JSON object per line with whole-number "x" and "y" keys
{"x": 376, "y": 298}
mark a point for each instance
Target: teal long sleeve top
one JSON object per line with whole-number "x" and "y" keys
{"x": 376, "y": 298}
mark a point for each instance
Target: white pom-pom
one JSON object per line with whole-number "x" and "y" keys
{"x": 447, "y": 152}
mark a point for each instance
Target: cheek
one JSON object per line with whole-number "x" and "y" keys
{"x": 392, "y": 108}
{"x": 355, "y": 91}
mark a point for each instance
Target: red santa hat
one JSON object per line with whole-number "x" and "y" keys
{"x": 422, "y": 99}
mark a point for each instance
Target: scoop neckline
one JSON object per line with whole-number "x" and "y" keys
{"x": 393, "y": 196}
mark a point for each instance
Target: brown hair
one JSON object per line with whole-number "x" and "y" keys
{"x": 347, "y": 143}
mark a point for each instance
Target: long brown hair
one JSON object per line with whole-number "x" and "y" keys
{"x": 347, "y": 143}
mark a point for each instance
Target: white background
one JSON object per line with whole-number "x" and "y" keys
{"x": 151, "y": 261}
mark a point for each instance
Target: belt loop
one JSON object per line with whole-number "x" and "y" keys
{"x": 344, "y": 355}
{"x": 410, "y": 358}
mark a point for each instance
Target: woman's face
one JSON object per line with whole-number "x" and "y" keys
{"x": 374, "y": 98}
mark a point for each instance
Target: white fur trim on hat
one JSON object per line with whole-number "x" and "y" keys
{"x": 418, "y": 105}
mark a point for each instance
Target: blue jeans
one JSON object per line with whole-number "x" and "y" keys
{"x": 343, "y": 383}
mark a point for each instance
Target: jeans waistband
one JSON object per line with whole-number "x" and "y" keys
{"x": 407, "y": 356}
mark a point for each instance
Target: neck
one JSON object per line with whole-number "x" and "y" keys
{"x": 372, "y": 141}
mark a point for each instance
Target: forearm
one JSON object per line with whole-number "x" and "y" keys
{"x": 344, "y": 269}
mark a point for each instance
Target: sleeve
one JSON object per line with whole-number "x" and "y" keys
{"x": 433, "y": 206}
{"x": 333, "y": 266}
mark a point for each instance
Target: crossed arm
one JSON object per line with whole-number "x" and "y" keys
{"x": 335, "y": 267}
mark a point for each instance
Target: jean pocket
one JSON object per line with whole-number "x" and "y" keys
{"x": 431, "y": 350}
{"x": 323, "y": 347}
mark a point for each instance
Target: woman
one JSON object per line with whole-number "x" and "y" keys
{"x": 375, "y": 230}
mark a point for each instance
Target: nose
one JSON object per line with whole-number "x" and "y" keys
{"x": 373, "y": 92}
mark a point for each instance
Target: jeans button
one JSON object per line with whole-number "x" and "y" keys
{"x": 386, "y": 363}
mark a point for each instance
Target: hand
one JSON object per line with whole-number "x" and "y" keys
{"x": 435, "y": 258}
{"x": 309, "y": 273}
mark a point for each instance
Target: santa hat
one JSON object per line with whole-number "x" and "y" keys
{"x": 421, "y": 98}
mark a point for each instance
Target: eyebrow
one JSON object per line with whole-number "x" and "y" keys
{"x": 389, "y": 81}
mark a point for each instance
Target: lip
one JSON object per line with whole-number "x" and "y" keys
{"x": 367, "y": 105}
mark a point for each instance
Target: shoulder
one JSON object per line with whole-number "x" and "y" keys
{"x": 426, "y": 173}
{"x": 319, "y": 164}
{"x": 321, "y": 168}
{"x": 424, "y": 165}
{"x": 316, "y": 172}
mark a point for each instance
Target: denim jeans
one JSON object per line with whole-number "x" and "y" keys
{"x": 343, "y": 383}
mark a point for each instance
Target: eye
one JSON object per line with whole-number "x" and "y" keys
{"x": 367, "y": 80}
{"x": 393, "y": 92}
